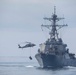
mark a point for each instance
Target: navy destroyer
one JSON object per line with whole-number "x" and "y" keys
{"x": 53, "y": 52}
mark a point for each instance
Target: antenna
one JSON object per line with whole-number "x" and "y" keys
{"x": 54, "y": 26}
{"x": 54, "y": 9}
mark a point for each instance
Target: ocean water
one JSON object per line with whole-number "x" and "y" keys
{"x": 32, "y": 68}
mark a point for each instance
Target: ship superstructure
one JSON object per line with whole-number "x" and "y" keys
{"x": 54, "y": 53}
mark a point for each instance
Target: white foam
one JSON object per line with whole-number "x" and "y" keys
{"x": 29, "y": 66}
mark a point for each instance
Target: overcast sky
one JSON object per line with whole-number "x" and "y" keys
{"x": 20, "y": 21}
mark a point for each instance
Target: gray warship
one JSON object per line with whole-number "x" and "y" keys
{"x": 53, "y": 52}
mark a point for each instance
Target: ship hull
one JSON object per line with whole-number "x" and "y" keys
{"x": 49, "y": 60}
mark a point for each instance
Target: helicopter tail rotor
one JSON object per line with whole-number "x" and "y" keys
{"x": 19, "y": 46}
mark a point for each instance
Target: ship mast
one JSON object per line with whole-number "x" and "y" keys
{"x": 53, "y": 27}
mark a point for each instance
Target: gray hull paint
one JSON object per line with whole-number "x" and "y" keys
{"x": 54, "y": 61}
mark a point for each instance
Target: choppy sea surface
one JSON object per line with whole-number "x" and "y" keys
{"x": 31, "y": 67}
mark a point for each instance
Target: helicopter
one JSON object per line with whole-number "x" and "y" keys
{"x": 29, "y": 44}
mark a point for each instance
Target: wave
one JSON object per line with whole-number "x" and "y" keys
{"x": 18, "y": 64}
{"x": 30, "y": 66}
